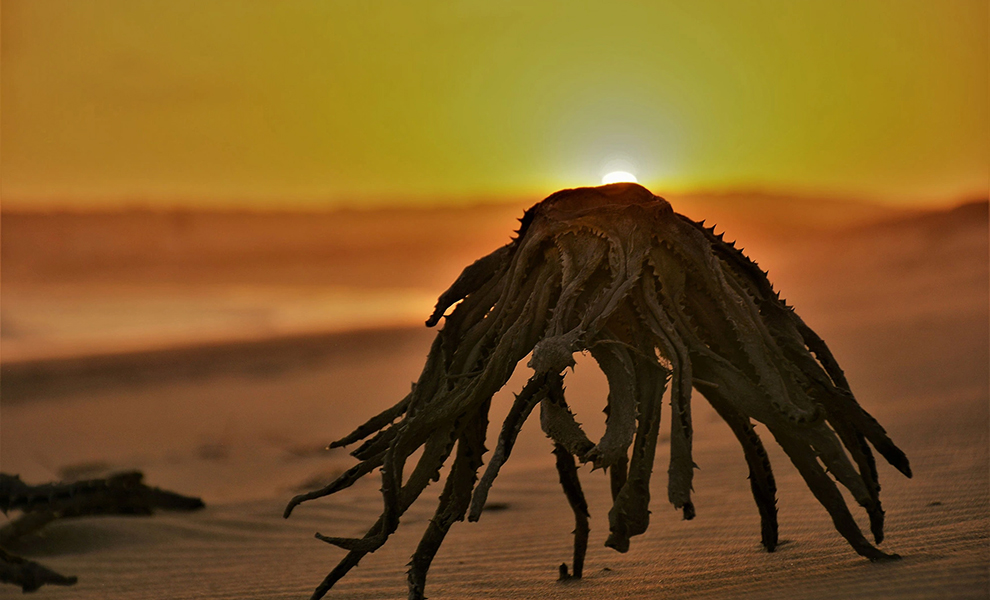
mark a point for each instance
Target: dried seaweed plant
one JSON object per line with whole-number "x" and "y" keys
{"x": 120, "y": 494}
{"x": 657, "y": 300}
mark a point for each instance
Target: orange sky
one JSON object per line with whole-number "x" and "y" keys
{"x": 329, "y": 102}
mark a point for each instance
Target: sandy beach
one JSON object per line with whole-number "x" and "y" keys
{"x": 269, "y": 347}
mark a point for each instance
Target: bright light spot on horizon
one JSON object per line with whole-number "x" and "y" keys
{"x": 619, "y": 177}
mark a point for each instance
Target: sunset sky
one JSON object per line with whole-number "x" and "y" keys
{"x": 323, "y": 103}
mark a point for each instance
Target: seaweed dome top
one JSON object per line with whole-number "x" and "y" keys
{"x": 570, "y": 204}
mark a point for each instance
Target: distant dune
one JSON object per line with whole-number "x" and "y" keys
{"x": 333, "y": 246}
{"x": 105, "y": 282}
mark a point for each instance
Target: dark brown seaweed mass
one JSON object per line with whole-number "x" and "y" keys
{"x": 656, "y": 299}
{"x": 120, "y": 494}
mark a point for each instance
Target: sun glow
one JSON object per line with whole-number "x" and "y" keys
{"x": 619, "y": 177}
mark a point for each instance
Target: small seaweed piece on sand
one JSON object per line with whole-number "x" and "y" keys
{"x": 28, "y": 574}
{"x": 119, "y": 494}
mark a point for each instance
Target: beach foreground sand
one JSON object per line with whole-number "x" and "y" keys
{"x": 903, "y": 305}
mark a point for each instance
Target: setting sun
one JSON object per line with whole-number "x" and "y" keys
{"x": 619, "y": 177}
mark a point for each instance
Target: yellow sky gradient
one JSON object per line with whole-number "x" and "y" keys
{"x": 321, "y": 103}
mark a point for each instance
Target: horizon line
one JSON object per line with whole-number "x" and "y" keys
{"x": 329, "y": 202}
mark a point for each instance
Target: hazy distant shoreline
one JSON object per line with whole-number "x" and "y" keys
{"x": 263, "y": 357}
